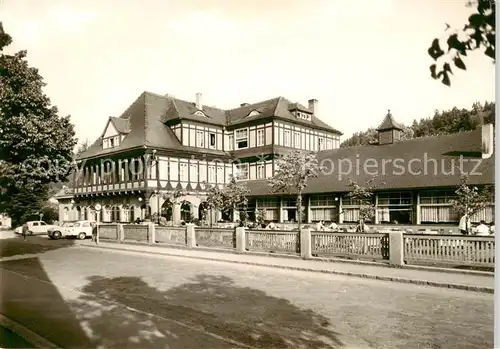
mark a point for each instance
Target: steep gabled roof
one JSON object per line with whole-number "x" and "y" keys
{"x": 279, "y": 107}
{"x": 121, "y": 124}
{"x": 419, "y": 173}
{"x": 389, "y": 123}
{"x": 145, "y": 119}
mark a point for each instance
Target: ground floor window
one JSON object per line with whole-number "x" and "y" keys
{"x": 395, "y": 207}
{"x": 186, "y": 214}
{"x": 324, "y": 214}
{"x": 271, "y": 207}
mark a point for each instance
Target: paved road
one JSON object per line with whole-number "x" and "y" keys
{"x": 79, "y": 298}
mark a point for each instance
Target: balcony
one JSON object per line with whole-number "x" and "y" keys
{"x": 115, "y": 188}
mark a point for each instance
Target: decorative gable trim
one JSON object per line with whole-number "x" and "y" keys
{"x": 110, "y": 130}
{"x": 200, "y": 113}
{"x": 253, "y": 113}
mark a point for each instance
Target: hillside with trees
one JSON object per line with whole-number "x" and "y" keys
{"x": 442, "y": 123}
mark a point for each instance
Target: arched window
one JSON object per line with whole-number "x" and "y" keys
{"x": 186, "y": 212}
{"x": 125, "y": 214}
{"x": 166, "y": 210}
{"x": 106, "y": 214}
{"x": 203, "y": 211}
{"x": 66, "y": 214}
{"x": 115, "y": 214}
{"x": 145, "y": 211}
{"x": 78, "y": 213}
{"x": 91, "y": 214}
{"x": 131, "y": 214}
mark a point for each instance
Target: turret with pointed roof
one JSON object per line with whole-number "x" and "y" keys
{"x": 389, "y": 131}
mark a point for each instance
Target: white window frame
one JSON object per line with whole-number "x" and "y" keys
{"x": 240, "y": 138}
{"x": 211, "y": 173}
{"x": 297, "y": 137}
{"x": 200, "y": 139}
{"x": 261, "y": 134}
{"x": 246, "y": 165}
{"x": 183, "y": 172}
{"x": 210, "y": 134}
{"x": 260, "y": 172}
{"x": 231, "y": 142}
{"x": 193, "y": 173}
{"x": 286, "y": 137}
{"x": 329, "y": 143}
{"x": 321, "y": 143}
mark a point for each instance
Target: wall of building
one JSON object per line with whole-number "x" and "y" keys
{"x": 301, "y": 137}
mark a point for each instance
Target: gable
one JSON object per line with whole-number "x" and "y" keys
{"x": 200, "y": 113}
{"x": 253, "y": 113}
{"x": 110, "y": 130}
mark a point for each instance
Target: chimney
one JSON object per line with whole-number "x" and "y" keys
{"x": 199, "y": 105}
{"x": 313, "y": 106}
{"x": 487, "y": 138}
{"x": 244, "y": 104}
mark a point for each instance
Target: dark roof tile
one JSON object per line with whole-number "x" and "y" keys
{"x": 445, "y": 150}
{"x": 143, "y": 121}
{"x": 389, "y": 123}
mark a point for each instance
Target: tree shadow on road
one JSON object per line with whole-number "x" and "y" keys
{"x": 209, "y": 312}
{"x": 33, "y": 245}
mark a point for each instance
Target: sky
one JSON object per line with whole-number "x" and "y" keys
{"x": 357, "y": 58}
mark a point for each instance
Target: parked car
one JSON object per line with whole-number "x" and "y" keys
{"x": 36, "y": 227}
{"x": 79, "y": 229}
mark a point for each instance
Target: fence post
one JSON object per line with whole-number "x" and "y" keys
{"x": 121, "y": 237}
{"x": 119, "y": 232}
{"x": 240, "y": 239}
{"x": 396, "y": 248}
{"x": 305, "y": 243}
{"x": 151, "y": 233}
{"x": 190, "y": 235}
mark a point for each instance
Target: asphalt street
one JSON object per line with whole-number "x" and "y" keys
{"x": 78, "y": 297}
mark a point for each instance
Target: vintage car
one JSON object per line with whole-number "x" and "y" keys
{"x": 35, "y": 228}
{"x": 79, "y": 229}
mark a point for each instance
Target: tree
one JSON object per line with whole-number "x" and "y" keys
{"x": 260, "y": 217}
{"x": 82, "y": 148}
{"x": 442, "y": 123}
{"x": 470, "y": 199}
{"x": 215, "y": 198}
{"x": 36, "y": 144}
{"x": 370, "y": 136}
{"x": 363, "y": 196}
{"x": 294, "y": 169}
{"x": 478, "y": 33}
{"x": 26, "y": 204}
{"x": 236, "y": 196}
{"x": 233, "y": 195}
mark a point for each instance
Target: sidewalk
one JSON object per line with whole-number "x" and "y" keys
{"x": 480, "y": 282}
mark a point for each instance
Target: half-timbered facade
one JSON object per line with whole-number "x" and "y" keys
{"x": 162, "y": 144}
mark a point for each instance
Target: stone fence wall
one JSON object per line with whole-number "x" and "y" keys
{"x": 393, "y": 247}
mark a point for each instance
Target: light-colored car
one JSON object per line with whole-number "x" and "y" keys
{"x": 37, "y": 227}
{"x": 79, "y": 229}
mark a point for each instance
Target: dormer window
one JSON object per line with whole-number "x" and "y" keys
{"x": 254, "y": 113}
{"x": 111, "y": 142}
{"x": 303, "y": 116}
{"x": 200, "y": 113}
